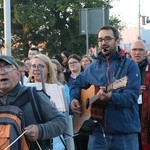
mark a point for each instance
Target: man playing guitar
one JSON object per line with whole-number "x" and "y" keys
{"x": 119, "y": 127}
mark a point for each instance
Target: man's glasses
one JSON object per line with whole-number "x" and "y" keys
{"x": 138, "y": 50}
{"x": 106, "y": 39}
{"x": 7, "y": 68}
{"x": 39, "y": 66}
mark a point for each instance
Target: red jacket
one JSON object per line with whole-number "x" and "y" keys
{"x": 145, "y": 116}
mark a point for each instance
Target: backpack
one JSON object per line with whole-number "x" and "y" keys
{"x": 11, "y": 127}
{"x": 12, "y": 121}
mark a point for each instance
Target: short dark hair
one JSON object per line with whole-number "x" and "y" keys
{"x": 115, "y": 31}
{"x": 66, "y": 53}
{"x": 74, "y": 56}
{"x": 34, "y": 49}
{"x": 57, "y": 57}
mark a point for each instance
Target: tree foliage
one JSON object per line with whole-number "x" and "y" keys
{"x": 53, "y": 22}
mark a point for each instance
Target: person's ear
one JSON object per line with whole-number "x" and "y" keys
{"x": 118, "y": 41}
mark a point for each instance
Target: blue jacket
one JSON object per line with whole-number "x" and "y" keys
{"x": 121, "y": 114}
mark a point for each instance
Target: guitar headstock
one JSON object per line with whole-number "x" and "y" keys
{"x": 120, "y": 83}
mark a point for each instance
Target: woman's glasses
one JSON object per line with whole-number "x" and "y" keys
{"x": 39, "y": 66}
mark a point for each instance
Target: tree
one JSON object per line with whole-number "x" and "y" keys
{"x": 54, "y": 22}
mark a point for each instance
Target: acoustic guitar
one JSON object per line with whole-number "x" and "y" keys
{"x": 91, "y": 107}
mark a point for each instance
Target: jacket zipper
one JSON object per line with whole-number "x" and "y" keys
{"x": 107, "y": 79}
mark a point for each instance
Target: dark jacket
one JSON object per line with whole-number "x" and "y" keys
{"x": 121, "y": 113}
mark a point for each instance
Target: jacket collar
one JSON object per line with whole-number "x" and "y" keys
{"x": 113, "y": 56}
{"x": 15, "y": 90}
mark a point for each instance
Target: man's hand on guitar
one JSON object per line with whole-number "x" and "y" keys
{"x": 75, "y": 106}
{"x": 104, "y": 96}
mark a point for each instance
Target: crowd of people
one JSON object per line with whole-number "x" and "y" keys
{"x": 119, "y": 114}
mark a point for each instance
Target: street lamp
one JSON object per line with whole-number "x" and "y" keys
{"x": 139, "y": 21}
{"x": 7, "y": 27}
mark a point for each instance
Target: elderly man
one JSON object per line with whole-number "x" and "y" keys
{"x": 138, "y": 53}
{"x": 54, "y": 123}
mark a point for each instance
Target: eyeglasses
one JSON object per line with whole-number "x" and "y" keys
{"x": 7, "y": 68}
{"x": 106, "y": 39}
{"x": 73, "y": 62}
{"x": 39, "y": 66}
{"x": 138, "y": 49}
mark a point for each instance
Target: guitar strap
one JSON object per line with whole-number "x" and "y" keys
{"x": 117, "y": 75}
{"x": 120, "y": 67}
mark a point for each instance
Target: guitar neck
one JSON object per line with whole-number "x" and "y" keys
{"x": 120, "y": 83}
{"x": 108, "y": 88}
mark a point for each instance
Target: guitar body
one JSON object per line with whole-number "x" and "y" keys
{"x": 98, "y": 110}
{"x": 79, "y": 119}
{"x": 91, "y": 106}
{"x": 94, "y": 111}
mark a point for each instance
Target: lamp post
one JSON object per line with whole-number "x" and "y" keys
{"x": 7, "y": 27}
{"x": 139, "y": 37}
